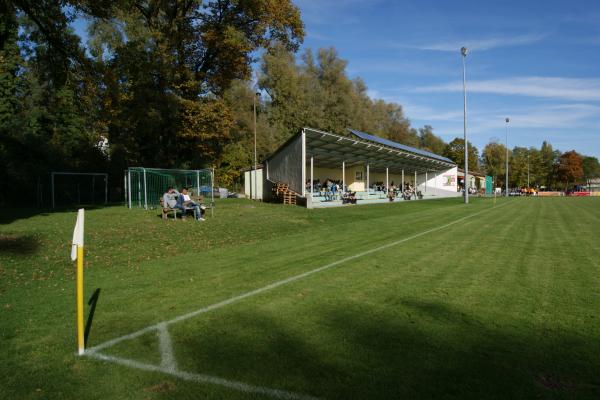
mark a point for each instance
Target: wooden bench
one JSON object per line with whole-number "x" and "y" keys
{"x": 166, "y": 209}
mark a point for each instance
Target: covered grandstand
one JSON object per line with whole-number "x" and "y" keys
{"x": 364, "y": 164}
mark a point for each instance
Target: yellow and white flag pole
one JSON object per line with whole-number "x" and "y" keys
{"x": 77, "y": 254}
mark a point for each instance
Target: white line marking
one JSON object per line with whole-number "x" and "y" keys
{"x": 167, "y": 358}
{"x": 202, "y": 378}
{"x": 168, "y": 363}
{"x": 274, "y": 285}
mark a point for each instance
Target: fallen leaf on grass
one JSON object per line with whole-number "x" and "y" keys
{"x": 553, "y": 382}
{"x": 161, "y": 387}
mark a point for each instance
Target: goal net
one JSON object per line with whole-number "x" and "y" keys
{"x": 146, "y": 186}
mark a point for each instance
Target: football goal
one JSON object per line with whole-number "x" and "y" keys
{"x": 77, "y": 188}
{"x": 145, "y": 186}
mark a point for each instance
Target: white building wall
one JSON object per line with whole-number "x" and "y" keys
{"x": 322, "y": 174}
{"x": 393, "y": 178}
{"x": 438, "y": 184}
{"x": 249, "y": 177}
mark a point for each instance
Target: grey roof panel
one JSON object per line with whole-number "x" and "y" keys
{"x": 387, "y": 142}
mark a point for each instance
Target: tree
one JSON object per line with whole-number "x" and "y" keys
{"x": 494, "y": 162}
{"x": 570, "y": 168}
{"x": 535, "y": 173}
{"x": 431, "y": 142}
{"x": 318, "y": 93}
{"x": 518, "y": 167}
{"x": 456, "y": 152}
{"x": 167, "y": 66}
{"x": 393, "y": 124}
{"x": 10, "y": 62}
{"x": 548, "y": 164}
{"x": 286, "y": 87}
{"x": 591, "y": 168}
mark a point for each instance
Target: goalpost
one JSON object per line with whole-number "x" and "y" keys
{"x": 78, "y": 188}
{"x": 146, "y": 186}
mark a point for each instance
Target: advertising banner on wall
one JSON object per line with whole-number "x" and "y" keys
{"x": 449, "y": 180}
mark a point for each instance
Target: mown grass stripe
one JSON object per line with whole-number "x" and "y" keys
{"x": 281, "y": 283}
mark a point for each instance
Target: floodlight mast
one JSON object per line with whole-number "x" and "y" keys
{"x": 527, "y": 169}
{"x": 507, "y": 122}
{"x": 464, "y": 51}
{"x": 256, "y": 95}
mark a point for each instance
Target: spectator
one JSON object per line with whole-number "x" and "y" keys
{"x": 170, "y": 197}
{"x": 185, "y": 202}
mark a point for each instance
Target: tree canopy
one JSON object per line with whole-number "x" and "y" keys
{"x": 455, "y": 150}
{"x": 173, "y": 84}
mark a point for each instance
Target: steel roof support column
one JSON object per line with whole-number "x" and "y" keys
{"x": 387, "y": 179}
{"x": 368, "y": 188}
{"x": 402, "y": 183}
{"x": 303, "y": 163}
{"x": 415, "y": 185}
{"x": 312, "y": 179}
{"x": 344, "y": 176}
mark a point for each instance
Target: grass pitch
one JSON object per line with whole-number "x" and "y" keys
{"x": 503, "y": 304}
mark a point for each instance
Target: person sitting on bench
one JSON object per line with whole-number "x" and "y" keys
{"x": 185, "y": 202}
{"x": 349, "y": 197}
{"x": 391, "y": 195}
{"x": 170, "y": 198}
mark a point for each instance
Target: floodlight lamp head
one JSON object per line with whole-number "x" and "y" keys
{"x": 464, "y": 51}
{"x": 257, "y": 94}
{"x": 507, "y": 120}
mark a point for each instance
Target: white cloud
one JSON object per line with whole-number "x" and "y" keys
{"x": 491, "y": 120}
{"x": 426, "y": 113}
{"x": 478, "y": 44}
{"x": 548, "y": 87}
{"x": 358, "y": 66}
{"x": 547, "y": 117}
{"x": 373, "y": 94}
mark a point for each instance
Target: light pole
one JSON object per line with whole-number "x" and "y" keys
{"x": 507, "y": 121}
{"x": 256, "y": 95}
{"x": 527, "y": 169}
{"x": 464, "y": 52}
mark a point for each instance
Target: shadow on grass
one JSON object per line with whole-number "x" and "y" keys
{"x": 19, "y": 245}
{"x": 428, "y": 350}
{"x": 11, "y": 214}
{"x": 88, "y": 325}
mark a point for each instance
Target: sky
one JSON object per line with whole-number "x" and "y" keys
{"x": 535, "y": 62}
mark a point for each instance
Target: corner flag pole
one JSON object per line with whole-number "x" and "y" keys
{"x": 77, "y": 254}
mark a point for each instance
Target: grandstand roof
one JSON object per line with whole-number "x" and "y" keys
{"x": 386, "y": 142}
{"x": 330, "y": 150}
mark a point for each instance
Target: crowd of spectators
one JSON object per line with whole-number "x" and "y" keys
{"x": 332, "y": 189}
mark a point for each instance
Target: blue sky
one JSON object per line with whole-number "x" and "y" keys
{"x": 536, "y": 62}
